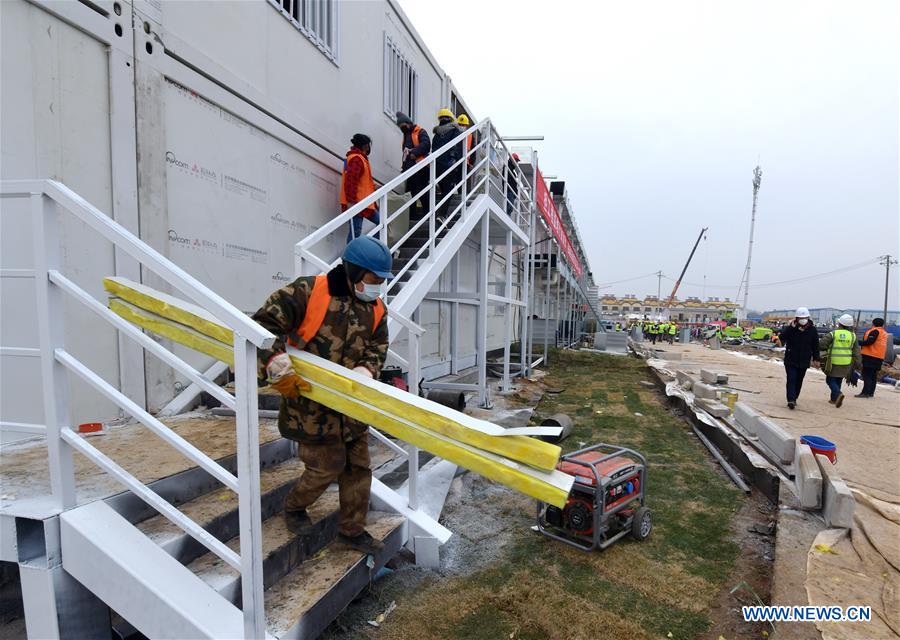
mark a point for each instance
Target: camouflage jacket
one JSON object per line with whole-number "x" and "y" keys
{"x": 345, "y": 337}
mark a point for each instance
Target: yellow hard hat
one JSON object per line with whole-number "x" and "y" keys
{"x": 463, "y": 120}
{"x": 445, "y": 113}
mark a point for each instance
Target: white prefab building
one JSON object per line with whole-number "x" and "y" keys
{"x": 196, "y": 148}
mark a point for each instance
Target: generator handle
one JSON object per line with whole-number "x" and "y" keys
{"x": 617, "y": 451}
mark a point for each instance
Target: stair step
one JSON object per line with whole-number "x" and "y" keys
{"x": 217, "y": 512}
{"x": 282, "y": 550}
{"x": 311, "y": 596}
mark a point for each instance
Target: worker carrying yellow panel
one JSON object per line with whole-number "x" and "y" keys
{"x": 337, "y": 327}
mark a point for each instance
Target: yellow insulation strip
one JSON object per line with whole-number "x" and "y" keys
{"x": 169, "y": 307}
{"x": 497, "y": 471}
{"x": 172, "y": 330}
{"x": 531, "y": 451}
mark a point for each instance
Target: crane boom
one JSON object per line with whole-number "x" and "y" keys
{"x": 683, "y": 271}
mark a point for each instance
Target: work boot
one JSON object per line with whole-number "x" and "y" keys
{"x": 363, "y": 542}
{"x": 791, "y": 405}
{"x": 830, "y": 401}
{"x": 298, "y": 522}
{"x": 839, "y": 401}
{"x": 862, "y": 395}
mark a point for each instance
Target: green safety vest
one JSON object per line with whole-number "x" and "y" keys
{"x": 842, "y": 347}
{"x": 673, "y": 329}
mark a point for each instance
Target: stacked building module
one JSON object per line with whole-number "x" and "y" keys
{"x": 217, "y": 136}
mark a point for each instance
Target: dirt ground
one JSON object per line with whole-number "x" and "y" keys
{"x": 499, "y": 579}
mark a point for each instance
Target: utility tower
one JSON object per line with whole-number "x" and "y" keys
{"x": 745, "y": 279}
{"x": 887, "y": 262}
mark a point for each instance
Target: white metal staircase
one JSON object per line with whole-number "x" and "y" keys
{"x": 491, "y": 195}
{"x": 184, "y": 556}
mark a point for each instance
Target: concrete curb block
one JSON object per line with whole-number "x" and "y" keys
{"x": 808, "y": 478}
{"x": 703, "y": 390}
{"x": 684, "y": 379}
{"x": 838, "y": 502}
{"x": 713, "y": 407}
{"x": 776, "y": 439}
{"x": 713, "y": 377}
{"x": 746, "y": 416}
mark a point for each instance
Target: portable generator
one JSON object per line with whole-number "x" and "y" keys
{"x": 606, "y": 502}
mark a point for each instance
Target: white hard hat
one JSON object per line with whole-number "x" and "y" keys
{"x": 846, "y": 320}
{"x": 802, "y": 312}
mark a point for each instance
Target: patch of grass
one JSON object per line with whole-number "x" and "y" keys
{"x": 542, "y": 589}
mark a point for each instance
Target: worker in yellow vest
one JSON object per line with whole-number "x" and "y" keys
{"x": 841, "y": 358}
{"x": 874, "y": 347}
{"x": 338, "y": 316}
{"x": 653, "y": 329}
{"x": 673, "y": 331}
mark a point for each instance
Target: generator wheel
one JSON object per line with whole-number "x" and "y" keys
{"x": 642, "y": 523}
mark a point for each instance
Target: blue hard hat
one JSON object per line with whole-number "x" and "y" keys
{"x": 370, "y": 254}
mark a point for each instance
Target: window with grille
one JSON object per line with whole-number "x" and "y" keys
{"x": 316, "y": 19}
{"x": 401, "y": 83}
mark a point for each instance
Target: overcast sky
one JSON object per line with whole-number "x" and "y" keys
{"x": 655, "y": 114}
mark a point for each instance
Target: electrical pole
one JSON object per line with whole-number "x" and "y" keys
{"x": 745, "y": 281}
{"x": 659, "y": 277}
{"x": 887, "y": 262}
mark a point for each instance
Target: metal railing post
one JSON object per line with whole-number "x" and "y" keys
{"x": 432, "y": 196}
{"x": 51, "y": 331}
{"x": 249, "y": 507}
{"x": 507, "y": 320}
{"x": 413, "y": 385}
{"x": 481, "y": 322}
{"x": 383, "y": 213}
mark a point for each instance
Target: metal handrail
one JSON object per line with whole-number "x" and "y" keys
{"x": 49, "y": 198}
{"x": 143, "y": 253}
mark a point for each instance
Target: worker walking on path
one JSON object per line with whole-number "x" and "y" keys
{"x": 673, "y": 331}
{"x": 842, "y": 357}
{"x": 416, "y": 146}
{"x": 801, "y": 346}
{"x": 873, "y": 348}
{"x": 357, "y": 184}
{"x": 338, "y": 316}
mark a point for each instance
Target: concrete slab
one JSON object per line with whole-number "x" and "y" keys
{"x": 776, "y": 439}
{"x": 703, "y": 390}
{"x": 838, "y": 502}
{"x": 808, "y": 478}
{"x": 713, "y": 407}
{"x": 746, "y": 416}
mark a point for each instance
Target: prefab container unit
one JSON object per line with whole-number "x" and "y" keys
{"x": 214, "y": 131}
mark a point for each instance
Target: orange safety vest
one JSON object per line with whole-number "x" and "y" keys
{"x": 877, "y": 349}
{"x": 317, "y": 307}
{"x": 415, "y": 140}
{"x": 470, "y": 142}
{"x": 366, "y": 183}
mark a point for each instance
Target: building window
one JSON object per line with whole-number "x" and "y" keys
{"x": 316, "y": 19}
{"x": 401, "y": 83}
{"x": 605, "y": 308}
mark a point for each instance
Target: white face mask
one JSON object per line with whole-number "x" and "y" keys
{"x": 369, "y": 293}
{"x": 803, "y": 321}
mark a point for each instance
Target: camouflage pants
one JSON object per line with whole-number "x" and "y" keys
{"x": 348, "y": 464}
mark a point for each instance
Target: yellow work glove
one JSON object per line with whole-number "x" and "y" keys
{"x": 284, "y": 379}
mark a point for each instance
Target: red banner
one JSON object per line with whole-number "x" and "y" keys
{"x": 554, "y": 221}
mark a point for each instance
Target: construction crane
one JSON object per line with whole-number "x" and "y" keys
{"x": 683, "y": 271}
{"x": 745, "y": 279}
